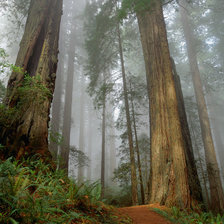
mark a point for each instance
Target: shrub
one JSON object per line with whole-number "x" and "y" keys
{"x": 179, "y": 216}
{"x": 33, "y": 192}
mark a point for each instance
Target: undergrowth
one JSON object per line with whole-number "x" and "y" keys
{"x": 178, "y": 216}
{"x": 33, "y": 192}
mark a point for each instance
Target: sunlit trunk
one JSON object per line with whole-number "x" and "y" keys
{"x": 216, "y": 191}
{"x": 28, "y": 133}
{"x": 171, "y": 172}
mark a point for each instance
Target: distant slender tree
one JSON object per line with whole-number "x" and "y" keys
{"x": 99, "y": 64}
{"x": 128, "y": 120}
{"x": 82, "y": 126}
{"x": 28, "y": 133}
{"x": 216, "y": 191}
{"x": 67, "y": 116}
{"x": 137, "y": 147}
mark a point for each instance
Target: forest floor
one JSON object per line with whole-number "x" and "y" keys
{"x": 143, "y": 214}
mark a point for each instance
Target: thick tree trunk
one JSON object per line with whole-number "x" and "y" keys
{"x": 216, "y": 191}
{"x": 129, "y": 131}
{"x": 137, "y": 150}
{"x": 191, "y": 165}
{"x": 28, "y": 133}
{"x": 170, "y": 177}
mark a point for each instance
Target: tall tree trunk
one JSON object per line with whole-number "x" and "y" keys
{"x": 90, "y": 142}
{"x": 112, "y": 146}
{"x": 28, "y": 133}
{"x": 67, "y": 116}
{"x": 193, "y": 178}
{"x": 128, "y": 120}
{"x": 170, "y": 175}
{"x": 56, "y": 112}
{"x": 207, "y": 200}
{"x": 81, "y": 126}
{"x": 137, "y": 149}
{"x": 216, "y": 191}
{"x": 57, "y": 103}
{"x": 103, "y": 144}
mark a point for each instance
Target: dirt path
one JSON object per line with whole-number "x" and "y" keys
{"x": 143, "y": 215}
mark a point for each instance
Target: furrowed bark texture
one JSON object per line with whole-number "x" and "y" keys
{"x": 216, "y": 191}
{"x": 194, "y": 182}
{"x": 38, "y": 56}
{"x": 170, "y": 176}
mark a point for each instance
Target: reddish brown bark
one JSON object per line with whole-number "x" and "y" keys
{"x": 28, "y": 133}
{"x": 170, "y": 176}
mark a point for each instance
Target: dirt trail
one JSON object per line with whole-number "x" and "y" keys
{"x": 143, "y": 214}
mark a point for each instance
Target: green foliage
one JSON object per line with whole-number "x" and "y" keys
{"x": 56, "y": 137}
{"x": 3, "y": 62}
{"x": 7, "y": 115}
{"x": 33, "y": 90}
{"x": 122, "y": 174}
{"x": 179, "y": 216}
{"x": 79, "y": 158}
{"x": 132, "y": 6}
{"x": 2, "y": 91}
{"x": 33, "y": 192}
{"x": 119, "y": 197}
{"x": 5, "y": 65}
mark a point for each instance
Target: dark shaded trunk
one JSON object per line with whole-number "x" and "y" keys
{"x": 56, "y": 113}
{"x": 191, "y": 165}
{"x": 128, "y": 120}
{"x": 28, "y": 132}
{"x": 216, "y": 191}
{"x": 170, "y": 178}
{"x": 197, "y": 153}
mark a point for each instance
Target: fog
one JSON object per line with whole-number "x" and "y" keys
{"x": 78, "y": 109}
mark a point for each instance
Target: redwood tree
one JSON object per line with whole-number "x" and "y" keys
{"x": 216, "y": 190}
{"x": 171, "y": 171}
{"x": 27, "y": 132}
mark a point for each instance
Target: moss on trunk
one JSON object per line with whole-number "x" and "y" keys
{"x": 28, "y": 132}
